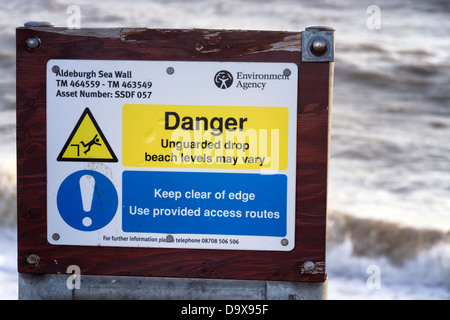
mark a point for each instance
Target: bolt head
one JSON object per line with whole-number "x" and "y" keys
{"x": 309, "y": 266}
{"x": 170, "y": 70}
{"x": 33, "y": 42}
{"x": 287, "y": 72}
{"x": 319, "y": 45}
{"x": 33, "y": 259}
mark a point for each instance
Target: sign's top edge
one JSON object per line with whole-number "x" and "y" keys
{"x": 207, "y": 40}
{"x": 48, "y": 26}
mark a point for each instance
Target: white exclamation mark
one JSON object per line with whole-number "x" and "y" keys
{"x": 87, "y": 184}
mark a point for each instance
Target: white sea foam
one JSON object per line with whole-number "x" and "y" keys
{"x": 8, "y": 196}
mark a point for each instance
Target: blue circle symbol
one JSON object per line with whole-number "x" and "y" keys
{"x": 103, "y": 205}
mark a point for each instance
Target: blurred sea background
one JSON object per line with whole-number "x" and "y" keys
{"x": 389, "y": 174}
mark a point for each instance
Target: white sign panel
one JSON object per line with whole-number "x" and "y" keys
{"x": 171, "y": 154}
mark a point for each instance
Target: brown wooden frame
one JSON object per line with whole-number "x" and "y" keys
{"x": 314, "y": 105}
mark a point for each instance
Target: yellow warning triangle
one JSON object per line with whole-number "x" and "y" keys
{"x": 87, "y": 142}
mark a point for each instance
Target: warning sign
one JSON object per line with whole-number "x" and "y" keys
{"x": 87, "y": 142}
{"x": 172, "y": 154}
{"x": 222, "y": 137}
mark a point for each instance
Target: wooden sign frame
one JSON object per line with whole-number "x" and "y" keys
{"x": 37, "y": 45}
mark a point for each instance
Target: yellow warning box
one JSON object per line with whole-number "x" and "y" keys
{"x": 220, "y": 137}
{"x": 87, "y": 142}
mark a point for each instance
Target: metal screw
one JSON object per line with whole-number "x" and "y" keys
{"x": 55, "y": 69}
{"x": 33, "y": 259}
{"x": 169, "y": 238}
{"x": 287, "y": 72}
{"x": 33, "y": 42}
{"x": 319, "y": 45}
{"x": 284, "y": 242}
{"x": 55, "y": 236}
{"x": 309, "y": 266}
{"x": 170, "y": 70}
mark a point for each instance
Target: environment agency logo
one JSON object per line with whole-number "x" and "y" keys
{"x": 223, "y": 79}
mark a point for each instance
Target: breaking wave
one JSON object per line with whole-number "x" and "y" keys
{"x": 406, "y": 255}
